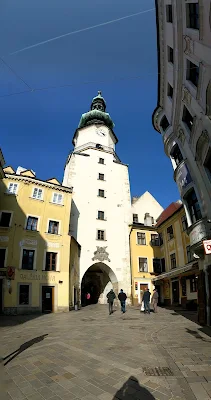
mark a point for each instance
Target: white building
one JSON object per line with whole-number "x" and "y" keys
{"x": 146, "y": 209}
{"x": 101, "y": 207}
{"x": 183, "y": 117}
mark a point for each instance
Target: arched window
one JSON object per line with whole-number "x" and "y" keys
{"x": 208, "y": 100}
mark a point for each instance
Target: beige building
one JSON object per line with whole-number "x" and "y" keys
{"x": 183, "y": 116}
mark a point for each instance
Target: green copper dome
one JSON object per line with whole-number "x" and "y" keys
{"x": 97, "y": 114}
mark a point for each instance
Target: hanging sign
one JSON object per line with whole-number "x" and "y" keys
{"x": 207, "y": 246}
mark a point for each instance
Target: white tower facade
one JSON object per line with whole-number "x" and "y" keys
{"x": 101, "y": 205}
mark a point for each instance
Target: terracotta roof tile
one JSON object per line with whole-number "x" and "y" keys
{"x": 168, "y": 212}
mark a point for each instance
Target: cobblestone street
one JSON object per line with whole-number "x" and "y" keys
{"x": 90, "y": 355}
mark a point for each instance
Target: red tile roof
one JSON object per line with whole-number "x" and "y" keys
{"x": 168, "y": 212}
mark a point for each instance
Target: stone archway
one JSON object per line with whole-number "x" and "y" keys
{"x": 98, "y": 281}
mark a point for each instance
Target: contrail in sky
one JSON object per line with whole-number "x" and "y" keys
{"x": 81, "y": 30}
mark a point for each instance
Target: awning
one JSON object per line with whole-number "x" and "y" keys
{"x": 177, "y": 271}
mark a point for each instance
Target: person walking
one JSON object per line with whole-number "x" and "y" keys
{"x": 111, "y": 296}
{"x": 122, "y": 298}
{"x": 146, "y": 300}
{"x": 155, "y": 300}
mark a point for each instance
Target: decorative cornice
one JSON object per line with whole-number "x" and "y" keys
{"x": 38, "y": 182}
{"x": 189, "y": 45}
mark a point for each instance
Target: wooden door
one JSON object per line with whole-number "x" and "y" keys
{"x": 47, "y": 299}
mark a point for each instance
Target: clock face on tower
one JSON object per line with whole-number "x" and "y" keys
{"x": 101, "y": 131}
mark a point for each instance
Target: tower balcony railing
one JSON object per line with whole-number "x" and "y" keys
{"x": 96, "y": 146}
{"x": 199, "y": 231}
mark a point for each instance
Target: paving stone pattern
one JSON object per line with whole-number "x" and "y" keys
{"x": 90, "y": 355}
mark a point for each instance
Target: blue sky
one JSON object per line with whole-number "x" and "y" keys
{"x": 119, "y": 59}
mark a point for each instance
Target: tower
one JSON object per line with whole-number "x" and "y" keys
{"x": 101, "y": 205}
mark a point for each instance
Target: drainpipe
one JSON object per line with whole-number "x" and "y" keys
{"x": 131, "y": 279}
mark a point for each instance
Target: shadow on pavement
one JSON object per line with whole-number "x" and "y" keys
{"x": 190, "y": 315}
{"x": 13, "y": 320}
{"x": 131, "y": 389}
{"x": 197, "y": 335}
{"x": 23, "y": 347}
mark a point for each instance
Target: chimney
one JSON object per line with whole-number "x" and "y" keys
{"x": 148, "y": 220}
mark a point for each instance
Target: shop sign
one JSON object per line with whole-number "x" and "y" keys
{"x": 37, "y": 277}
{"x": 207, "y": 246}
{"x": 197, "y": 234}
{"x": 11, "y": 273}
{"x": 183, "y": 177}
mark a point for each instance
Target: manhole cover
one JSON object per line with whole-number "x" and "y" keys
{"x": 157, "y": 371}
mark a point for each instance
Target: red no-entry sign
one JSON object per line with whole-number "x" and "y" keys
{"x": 207, "y": 246}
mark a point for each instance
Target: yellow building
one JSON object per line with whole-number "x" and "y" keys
{"x": 35, "y": 244}
{"x": 145, "y": 259}
{"x": 178, "y": 285}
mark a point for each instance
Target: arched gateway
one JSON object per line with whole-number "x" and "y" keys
{"x": 98, "y": 281}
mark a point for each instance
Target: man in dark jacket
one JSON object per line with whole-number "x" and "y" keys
{"x": 122, "y": 298}
{"x": 146, "y": 300}
{"x": 111, "y": 296}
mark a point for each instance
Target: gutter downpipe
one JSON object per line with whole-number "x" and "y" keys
{"x": 131, "y": 279}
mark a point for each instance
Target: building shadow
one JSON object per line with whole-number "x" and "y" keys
{"x": 13, "y": 320}
{"x": 23, "y": 347}
{"x": 132, "y": 390}
{"x": 197, "y": 335}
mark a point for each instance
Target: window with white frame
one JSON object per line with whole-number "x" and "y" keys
{"x": 5, "y": 219}
{"x": 50, "y": 261}
{"x": 12, "y": 188}
{"x": 53, "y": 227}
{"x": 57, "y": 198}
{"x": 37, "y": 194}
{"x": 32, "y": 223}
{"x": 141, "y": 238}
{"x": 142, "y": 264}
{"x": 28, "y": 259}
{"x": 2, "y": 258}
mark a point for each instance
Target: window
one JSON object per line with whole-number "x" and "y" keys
{"x": 164, "y": 123}
{"x": 173, "y": 260}
{"x": 101, "y": 215}
{"x": 57, "y": 198}
{"x": 163, "y": 265}
{"x": 176, "y": 154}
{"x": 100, "y": 235}
{"x": 101, "y": 177}
{"x": 170, "y": 55}
{"x": 189, "y": 254}
{"x": 2, "y": 258}
{"x": 157, "y": 265}
{"x": 135, "y": 218}
{"x": 161, "y": 239}
{"x": 187, "y": 118}
{"x": 32, "y": 224}
{"x": 193, "y": 284}
{"x": 141, "y": 238}
{"x": 193, "y": 206}
{"x": 101, "y": 193}
{"x": 101, "y": 160}
{"x": 170, "y": 232}
{"x": 143, "y": 266}
{"x": 192, "y": 15}
{"x": 184, "y": 223}
{"x": 12, "y": 188}
{"x": 169, "y": 15}
{"x": 37, "y": 194}
{"x": 155, "y": 240}
{"x": 24, "y": 295}
{"x": 53, "y": 227}
{"x": 28, "y": 259}
{"x": 50, "y": 261}
{"x": 170, "y": 90}
{"x": 5, "y": 219}
{"x": 207, "y": 163}
{"x": 99, "y": 146}
{"x": 192, "y": 73}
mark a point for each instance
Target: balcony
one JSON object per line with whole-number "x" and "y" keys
{"x": 199, "y": 231}
{"x": 182, "y": 176}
